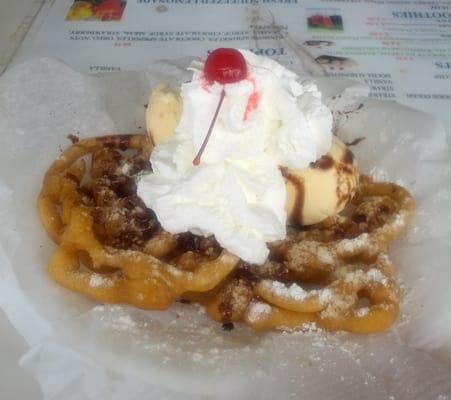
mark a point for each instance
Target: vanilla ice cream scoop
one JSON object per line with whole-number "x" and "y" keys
{"x": 163, "y": 112}
{"x": 312, "y": 194}
{"x": 324, "y": 188}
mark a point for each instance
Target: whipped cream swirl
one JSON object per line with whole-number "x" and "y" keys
{"x": 237, "y": 193}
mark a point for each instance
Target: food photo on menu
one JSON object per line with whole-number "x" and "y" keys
{"x": 223, "y": 226}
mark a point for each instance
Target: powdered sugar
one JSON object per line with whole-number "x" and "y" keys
{"x": 352, "y": 245}
{"x": 399, "y": 220}
{"x": 98, "y": 280}
{"x": 362, "y": 312}
{"x": 338, "y": 306}
{"x": 296, "y": 293}
{"x": 125, "y": 169}
{"x": 326, "y": 296}
{"x": 293, "y": 292}
{"x": 379, "y": 174}
{"x": 377, "y": 276}
{"x": 257, "y": 310}
{"x": 126, "y": 320}
{"x": 325, "y": 255}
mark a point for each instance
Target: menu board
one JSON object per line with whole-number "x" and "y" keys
{"x": 400, "y": 48}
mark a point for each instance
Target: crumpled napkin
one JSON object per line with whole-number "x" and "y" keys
{"x": 83, "y": 350}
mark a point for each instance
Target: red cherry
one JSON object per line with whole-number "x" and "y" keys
{"x": 222, "y": 66}
{"x": 225, "y": 66}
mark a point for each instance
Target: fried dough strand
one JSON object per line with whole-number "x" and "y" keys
{"x": 335, "y": 275}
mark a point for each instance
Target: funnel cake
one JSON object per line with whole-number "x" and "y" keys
{"x": 336, "y": 274}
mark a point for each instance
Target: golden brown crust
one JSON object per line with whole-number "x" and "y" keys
{"x": 112, "y": 248}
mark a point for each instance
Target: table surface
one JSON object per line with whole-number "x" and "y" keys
{"x": 15, "y": 382}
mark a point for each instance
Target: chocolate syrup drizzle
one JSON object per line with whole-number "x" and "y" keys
{"x": 348, "y": 157}
{"x": 355, "y": 142}
{"x": 325, "y": 162}
{"x": 298, "y": 182}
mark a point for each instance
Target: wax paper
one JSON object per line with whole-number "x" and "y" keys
{"x": 79, "y": 349}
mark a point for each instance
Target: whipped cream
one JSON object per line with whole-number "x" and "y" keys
{"x": 237, "y": 193}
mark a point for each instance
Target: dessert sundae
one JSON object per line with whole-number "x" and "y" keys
{"x": 240, "y": 198}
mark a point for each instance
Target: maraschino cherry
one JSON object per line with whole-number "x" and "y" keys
{"x": 222, "y": 66}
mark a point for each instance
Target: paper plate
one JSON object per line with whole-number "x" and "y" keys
{"x": 82, "y": 350}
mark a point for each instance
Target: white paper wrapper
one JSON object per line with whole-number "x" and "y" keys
{"x": 82, "y": 350}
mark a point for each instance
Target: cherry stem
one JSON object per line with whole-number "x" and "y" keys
{"x": 196, "y": 160}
